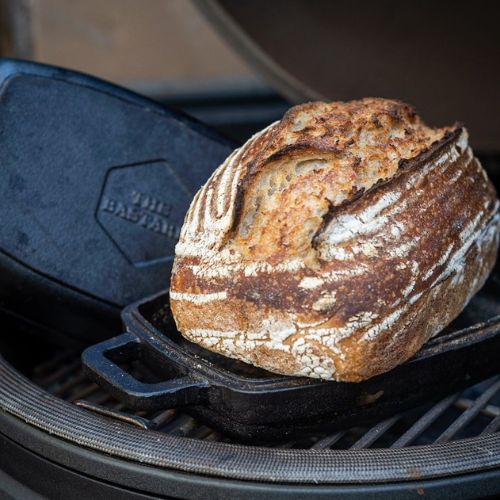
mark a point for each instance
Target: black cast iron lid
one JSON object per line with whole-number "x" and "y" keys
{"x": 94, "y": 184}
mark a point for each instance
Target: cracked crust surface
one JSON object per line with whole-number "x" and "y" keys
{"x": 320, "y": 247}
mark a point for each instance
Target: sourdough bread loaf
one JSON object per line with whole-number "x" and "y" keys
{"x": 335, "y": 242}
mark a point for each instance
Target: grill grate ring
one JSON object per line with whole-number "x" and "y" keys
{"x": 319, "y": 465}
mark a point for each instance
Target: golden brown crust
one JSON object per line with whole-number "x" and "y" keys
{"x": 320, "y": 247}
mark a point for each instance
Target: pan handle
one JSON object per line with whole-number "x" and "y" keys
{"x": 172, "y": 393}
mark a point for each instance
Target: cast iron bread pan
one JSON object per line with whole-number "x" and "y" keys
{"x": 250, "y": 403}
{"x": 94, "y": 184}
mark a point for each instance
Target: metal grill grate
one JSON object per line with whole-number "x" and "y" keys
{"x": 472, "y": 412}
{"x": 60, "y": 401}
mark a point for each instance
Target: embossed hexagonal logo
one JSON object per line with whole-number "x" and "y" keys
{"x": 142, "y": 209}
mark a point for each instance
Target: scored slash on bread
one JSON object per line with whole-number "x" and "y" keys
{"x": 335, "y": 242}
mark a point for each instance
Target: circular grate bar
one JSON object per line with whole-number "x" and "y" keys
{"x": 22, "y": 398}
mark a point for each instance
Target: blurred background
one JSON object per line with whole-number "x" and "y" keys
{"x": 239, "y": 64}
{"x": 165, "y": 49}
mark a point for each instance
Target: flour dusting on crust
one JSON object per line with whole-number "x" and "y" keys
{"x": 335, "y": 242}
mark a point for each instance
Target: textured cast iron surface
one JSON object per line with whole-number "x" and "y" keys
{"x": 94, "y": 184}
{"x": 23, "y": 399}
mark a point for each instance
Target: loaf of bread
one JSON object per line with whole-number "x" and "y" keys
{"x": 335, "y": 242}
